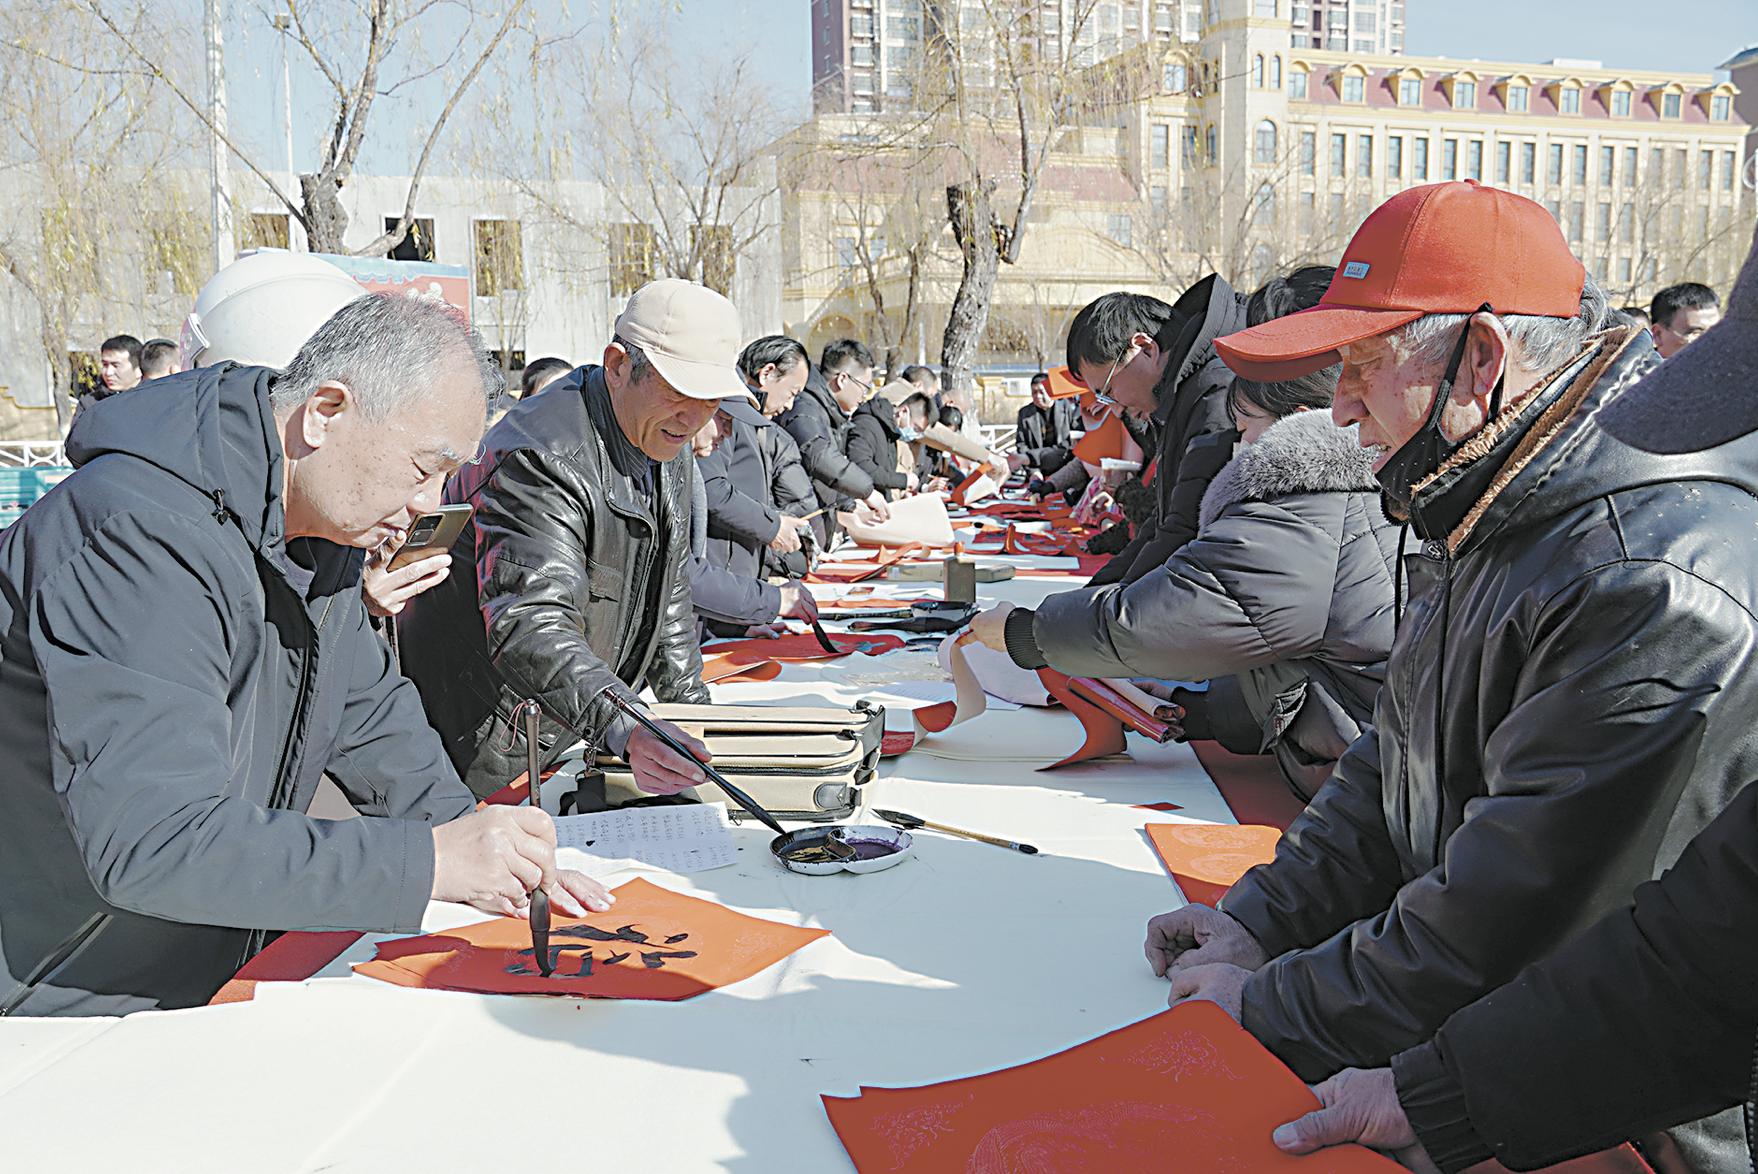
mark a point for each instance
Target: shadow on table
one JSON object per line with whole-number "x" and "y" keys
{"x": 964, "y": 960}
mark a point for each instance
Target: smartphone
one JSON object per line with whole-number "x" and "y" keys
{"x": 435, "y": 531}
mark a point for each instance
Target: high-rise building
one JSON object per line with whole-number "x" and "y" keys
{"x": 1341, "y": 26}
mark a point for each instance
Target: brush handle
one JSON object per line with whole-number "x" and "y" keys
{"x": 995, "y": 840}
{"x": 714, "y": 776}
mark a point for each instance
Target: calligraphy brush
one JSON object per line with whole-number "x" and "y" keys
{"x": 714, "y": 776}
{"x": 909, "y": 822}
{"x": 823, "y": 640}
{"x": 531, "y": 711}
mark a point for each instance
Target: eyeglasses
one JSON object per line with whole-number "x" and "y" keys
{"x": 1103, "y": 394}
{"x": 865, "y": 386}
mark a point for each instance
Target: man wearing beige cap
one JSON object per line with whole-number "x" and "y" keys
{"x": 580, "y": 543}
{"x": 1569, "y": 698}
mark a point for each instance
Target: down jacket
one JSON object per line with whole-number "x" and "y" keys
{"x": 1288, "y": 584}
{"x": 820, "y": 427}
{"x": 872, "y": 443}
{"x": 176, "y": 678}
{"x": 581, "y": 584}
{"x": 1569, "y": 701}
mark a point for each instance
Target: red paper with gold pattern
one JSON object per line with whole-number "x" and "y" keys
{"x": 653, "y": 944}
{"x": 1206, "y": 858}
{"x": 1186, "y": 1090}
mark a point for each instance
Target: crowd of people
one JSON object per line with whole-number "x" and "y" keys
{"x": 1471, "y": 553}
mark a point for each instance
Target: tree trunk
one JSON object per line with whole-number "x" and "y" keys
{"x": 326, "y": 222}
{"x": 969, "y": 207}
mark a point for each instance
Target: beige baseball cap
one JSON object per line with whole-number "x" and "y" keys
{"x": 690, "y": 334}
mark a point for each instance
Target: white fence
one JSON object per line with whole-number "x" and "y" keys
{"x": 15, "y": 454}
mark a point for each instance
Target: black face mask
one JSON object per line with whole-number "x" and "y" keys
{"x": 1425, "y": 452}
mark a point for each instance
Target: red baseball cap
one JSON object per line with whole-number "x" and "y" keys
{"x": 1445, "y": 248}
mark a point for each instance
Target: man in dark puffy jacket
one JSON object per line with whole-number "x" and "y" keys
{"x": 1647, "y": 1019}
{"x": 753, "y": 482}
{"x": 818, "y": 422}
{"x": 581, "y": 541}
{"x": 1570, "y": 696}
{"x": 185, "y": 655}
{"x": 873, "y": 435}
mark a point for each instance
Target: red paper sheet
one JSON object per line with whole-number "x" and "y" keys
{"x": 1206, "y": 858}
{"x": 1104, "y": 733}
{"x": 653, "y": 944}
{"x": 737, "y": 667}
{"x": 1186, "y": 1090}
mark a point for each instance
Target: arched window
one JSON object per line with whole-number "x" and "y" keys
{"x": 1257, "y": 71}
{"x": 1266, "y": 141}
{"x": 1276, "y": 72}
{"x": 1212, "y": 146}
{"x": 1263, "y": 208}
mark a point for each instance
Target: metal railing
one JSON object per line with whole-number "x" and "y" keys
{"x": 997, "y": 435}
{"x": 30, "y": 454}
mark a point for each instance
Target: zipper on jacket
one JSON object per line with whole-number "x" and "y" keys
{"x": 282, "y": 791}
{"x": 1438, "y": 551}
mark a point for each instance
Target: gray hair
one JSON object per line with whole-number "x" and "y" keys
{"x": 1542, "y": 344}
{"x": 388, "y": 349}
{"x": 639, "y": 363}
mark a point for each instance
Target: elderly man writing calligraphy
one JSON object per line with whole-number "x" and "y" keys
{"x": 186, "y": 653}
{"x": 1569, "y": 697}
{"x": 581, "y": 544}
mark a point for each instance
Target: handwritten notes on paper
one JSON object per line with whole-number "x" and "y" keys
{"x": 684, "y": 837}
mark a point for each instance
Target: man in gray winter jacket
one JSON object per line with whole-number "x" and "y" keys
{"x": 186, "y": 653}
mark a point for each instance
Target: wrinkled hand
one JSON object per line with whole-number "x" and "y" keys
{"x": 766, "y": 631}
{"x": 797, "y": 602}
{"x": 787, "y": 536}
{"x": 385, "y": 592}
{"x": 936, "y": 485}
{"x": 1219, "y": 983}
{"x": 1198, "y": 936}
{"x": 990, "y": 627}
{"x": 1360, "y": 1105}
{"x": 880, "y": 507}
{"x": 493, "y": 858}
{"x": 660, "y": 770}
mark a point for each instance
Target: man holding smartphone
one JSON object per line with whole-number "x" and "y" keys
{"x": 580, "y": 545}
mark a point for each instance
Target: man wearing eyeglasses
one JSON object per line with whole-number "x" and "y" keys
{"x": 819, "y": 423}
{"x": 1157, "y": 362}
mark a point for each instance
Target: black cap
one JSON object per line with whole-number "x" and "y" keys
{"x": 1706, "y": 394}
{"x": 739, "y": 407}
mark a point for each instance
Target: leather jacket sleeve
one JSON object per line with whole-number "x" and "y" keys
{"x": 675, "y": 672}
{"x": 533, "y": 529}
{"x": 1615, "y": 681}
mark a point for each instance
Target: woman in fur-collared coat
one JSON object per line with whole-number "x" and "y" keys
{"x": 1283, "y": 601}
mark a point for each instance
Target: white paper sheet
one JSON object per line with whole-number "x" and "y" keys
{"x": 692, "y": 837}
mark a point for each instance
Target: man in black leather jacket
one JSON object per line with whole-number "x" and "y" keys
{"x": 580, "y": 542}
{"x": 1569, "y": 697}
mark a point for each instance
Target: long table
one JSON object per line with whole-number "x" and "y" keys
{"x": 965, "y": 959}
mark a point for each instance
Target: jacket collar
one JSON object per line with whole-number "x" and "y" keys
{"x": 1203, "y": 313}
{"x": 1301, "y": 453}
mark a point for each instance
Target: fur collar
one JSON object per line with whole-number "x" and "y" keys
{"x": 1300, "y": 453}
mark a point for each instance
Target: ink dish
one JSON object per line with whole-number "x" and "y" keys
{"x": 868, "y": 848}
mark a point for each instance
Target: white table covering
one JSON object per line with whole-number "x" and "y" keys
{"x": 965, "y": 959}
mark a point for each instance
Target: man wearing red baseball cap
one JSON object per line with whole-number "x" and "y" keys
{"x": 1570, "y": 696}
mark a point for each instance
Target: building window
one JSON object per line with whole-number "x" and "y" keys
{"x": 1364, "y": 156}
{"x": 631, "y": 258}
{"x": 1518, "y": 96}
{"x": 1719, "y": 106}
{"x": 500, "y": 258}
{"x": 1604, "y": 226}
{"x": 1160, "y": 147}
{"x": 1556, "y": 164}
{"x": 1670, "y": 105}
{"x": 1214, "y": 147}
{"x": 1569, "y": 100}
{"x": 1308, "y": 148}
{"x": 1620, "y": 108}
{"x": 1630, "y": 156}
{"x": 1263, "y": 206}
{"x": 1187, "y": 145}
{"x": 1608, "y": 165}
{"x": 848, "y": 255}
{"x": 1265, "y": 8}
{"x": 1581, "y": 165}
{"x": 1528, "y": 163}
{"x": 1175, "y": 77}
{"x": 1624, "y": 270}
{"x": 1705, "y": 169}
{"x": 1419, "y": 160}
{"x": 1409, "y": 91}
{"x": 1354, "y": 89}
{"x": 1336, "y": 212}
{"x": 1449, "y": 159}
{"x": 1120, "y": 228}
{"x": 861, "y": 55}
{"x": 1339, "y": 150}
{"x": 1366, "y": 20}
{"x": 1394, "y": 157}
{"x": 1474, "y": 160}
{"x": 1729, "y": 160}
{"x": 1464, "y": 95}
{"x": 1577, "y": 220}
{"x": 1504, "y": 162}
{"x": 1257, "y": 71}
{"x": 1297, "y": 84}
{"x": 1656, "y": 165}
{"x": 269, "y": 230}
{"x": 1276, "y": 72}
{"x": 1307, "y": 200}
{"x": 1265, "y": 142}
{"x": 1627, "y": 224}
{"x": 1163, "y": 19}
{"x": 1157, "y": 197}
